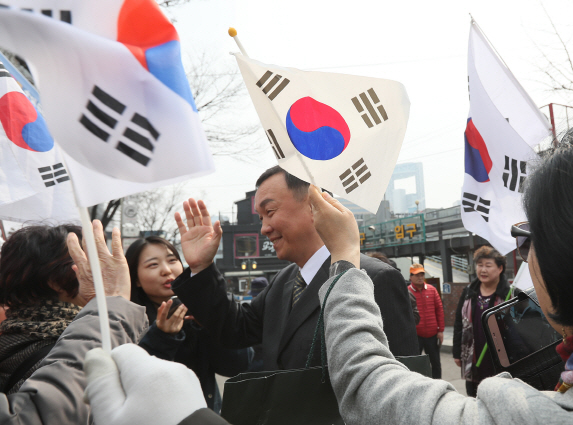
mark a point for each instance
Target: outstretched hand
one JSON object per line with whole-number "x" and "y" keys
{"x": 114, "y": 268}
{"x": 199, "y": 239}
{"x": 336, "y": 226}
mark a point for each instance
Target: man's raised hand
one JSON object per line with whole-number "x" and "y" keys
{"x": 199, "y": 238}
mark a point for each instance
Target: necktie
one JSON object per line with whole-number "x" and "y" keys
{"x": 299, "y": 287}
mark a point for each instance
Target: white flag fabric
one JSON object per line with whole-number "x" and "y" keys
{"x": 340, "y": 132}
{"x": 497, "y": 146}
{"x": 523, "y": 278}
{"x": 34, "y": 183}
{"x": 113, "y": 91}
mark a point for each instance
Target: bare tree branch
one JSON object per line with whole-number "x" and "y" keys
{"x": 170, "y": 3}
{"x": 220, "y": 96}
{"x": 559, "y": 75}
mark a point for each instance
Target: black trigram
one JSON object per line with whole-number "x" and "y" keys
{"x": 62, "y": 15}
{"x": 101, "y": 117}
{"x": 276, "y": 147}
{"x": 472, "y": 203}
{"x": 55, "y": 173}
{"x": 3, "y": 71}
{"x": 374, "y": 109}
{"x": 355, "y": 175}
{"x": 268, "y": 86}
{"x": 511, "y": 170}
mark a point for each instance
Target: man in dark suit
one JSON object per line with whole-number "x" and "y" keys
{"x": 283, "y": 317}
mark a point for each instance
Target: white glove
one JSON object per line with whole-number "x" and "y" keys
{"x": 132, "y": 387}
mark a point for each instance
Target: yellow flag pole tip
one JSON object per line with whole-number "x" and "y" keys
{"x": 232, "y": 32}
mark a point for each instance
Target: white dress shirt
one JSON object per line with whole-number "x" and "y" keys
{"x": 313, "y": 265}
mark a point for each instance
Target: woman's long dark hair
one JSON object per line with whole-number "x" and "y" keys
{"x": 132, "y": 255}
{"x": 548, "y": 202}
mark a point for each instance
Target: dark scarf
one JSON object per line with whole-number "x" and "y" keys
{"x": 28, "y": 329}
{"x": 48, "y": 319}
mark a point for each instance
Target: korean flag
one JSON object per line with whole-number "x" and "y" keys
{"x": 340, "y": 132}
{"x": 113, "y": 91}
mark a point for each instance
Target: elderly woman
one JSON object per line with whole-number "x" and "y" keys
{"x": 40, "y": 289}
{"x": 489, "y": 289}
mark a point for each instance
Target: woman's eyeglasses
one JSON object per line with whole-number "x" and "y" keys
{"x": 521, "y": 233}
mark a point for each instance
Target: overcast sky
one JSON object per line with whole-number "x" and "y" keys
{"x": 419, "y": 43}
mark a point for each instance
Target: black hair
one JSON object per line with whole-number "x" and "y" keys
{"x": 132, "y": 255}
{"x": 298, "y": 187}
{"x": 548, "y": 202}
{"x": 31, "y": 259}
{"x": 487, "y": 252}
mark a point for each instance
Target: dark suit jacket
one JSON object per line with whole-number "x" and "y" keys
{"x": 287, "y": 335}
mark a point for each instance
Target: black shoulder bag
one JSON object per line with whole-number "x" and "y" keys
{"x": 299, "y": 396}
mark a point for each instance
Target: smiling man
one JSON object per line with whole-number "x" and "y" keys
{"x": 284, "y": 315}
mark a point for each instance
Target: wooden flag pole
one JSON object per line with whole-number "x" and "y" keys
{"x": 233, "y": 33}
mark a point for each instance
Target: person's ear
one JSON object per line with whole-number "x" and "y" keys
{"x": 54, "y": 286}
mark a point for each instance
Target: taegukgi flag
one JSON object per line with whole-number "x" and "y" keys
{"x": 340, "y": 132}
{"x": 503, "y": 126}
{"x": 113, "y": 91}
{"x": 34, "y": 183}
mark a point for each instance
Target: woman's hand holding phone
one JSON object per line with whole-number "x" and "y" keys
{"x": 170, "y": 324}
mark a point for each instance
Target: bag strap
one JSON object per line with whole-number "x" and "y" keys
{"x": 319, "y": 330}
{"x": 26, "y": 365}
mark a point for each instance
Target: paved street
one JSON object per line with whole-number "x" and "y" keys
{"x": 451, "y": 373}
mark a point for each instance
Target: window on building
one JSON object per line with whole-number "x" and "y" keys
{"x": 247, "y": 245}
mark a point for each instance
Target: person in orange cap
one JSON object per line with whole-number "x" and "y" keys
{"x": 430, "y": 329}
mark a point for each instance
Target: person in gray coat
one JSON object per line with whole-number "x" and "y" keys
{"x": 373, "y": 388}
{"x": 54, "y": 394}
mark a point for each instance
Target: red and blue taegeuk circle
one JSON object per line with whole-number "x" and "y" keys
{"x": 23, "y": 125}
{"x": 316, "y": 130}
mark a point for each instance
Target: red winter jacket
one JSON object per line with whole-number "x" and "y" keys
{"x": 431, "y": 311}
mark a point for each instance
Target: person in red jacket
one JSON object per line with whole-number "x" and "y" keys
{"x": 430, "y": 330}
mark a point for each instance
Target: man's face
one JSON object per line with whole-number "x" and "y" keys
{"x": 286, "y": 221}
{"x": 417, "y": 279}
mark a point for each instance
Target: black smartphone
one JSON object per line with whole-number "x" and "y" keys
{"x": 518, "y": 329}
{"x": 176, "y": 303}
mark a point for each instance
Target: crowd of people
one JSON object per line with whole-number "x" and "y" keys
{"x": 173, "y": 328}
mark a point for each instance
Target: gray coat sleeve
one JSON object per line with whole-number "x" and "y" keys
{"x": 54, "y": 393}
{"x": 373, "y": 388}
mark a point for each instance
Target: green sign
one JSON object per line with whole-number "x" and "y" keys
{"x": 401, "y": 231}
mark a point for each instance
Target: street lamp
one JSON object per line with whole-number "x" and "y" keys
{"x": 417, "y": 207}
